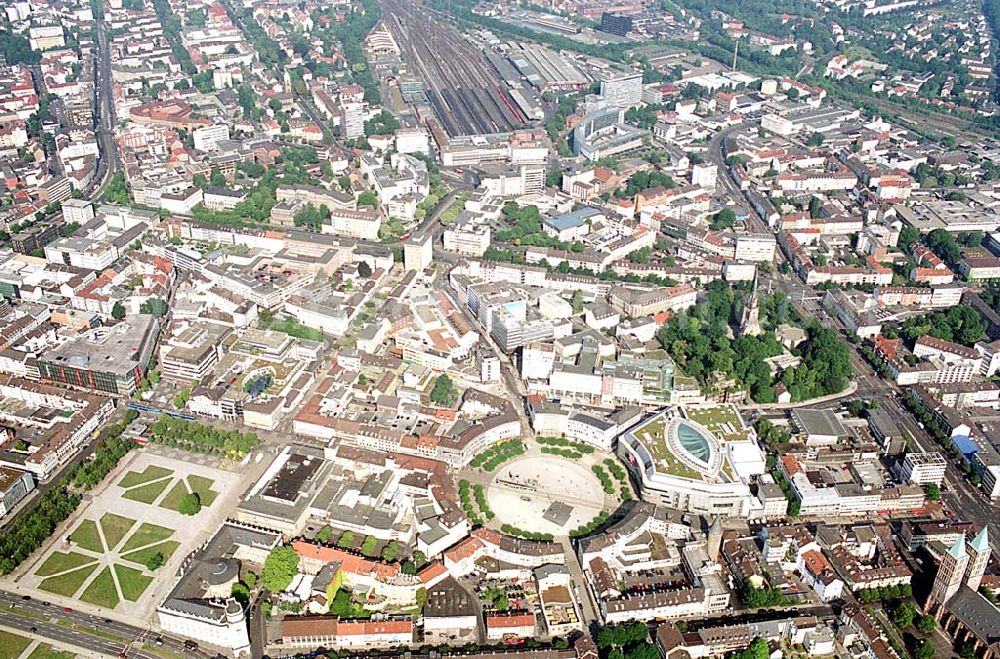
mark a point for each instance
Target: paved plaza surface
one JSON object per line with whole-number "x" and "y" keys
{"x": 545, "y": 494}
{"x": 102, "y": 555}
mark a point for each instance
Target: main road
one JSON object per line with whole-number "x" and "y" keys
{"x": 67, "y": 625}
{"x": 964, "y": 499}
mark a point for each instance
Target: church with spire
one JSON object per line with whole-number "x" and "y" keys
{"x": 964, "y": 613}
{"x": 750, "y": 316}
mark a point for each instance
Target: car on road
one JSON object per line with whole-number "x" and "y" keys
{"x": 26, "y": 597}
{"x": 45, "y": 604}
{"x": 66, "y": 609}
{"x": 34, "y": 630}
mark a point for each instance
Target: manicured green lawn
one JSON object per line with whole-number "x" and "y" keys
{"x": 61, "y": 562}
{"x": 151, "y": 473}
{"x": 173, "y": 499}
{"x": 146, "y": 493}
{"x": 11, "y": 645}
{"x": 67, "y": 584}
{"x": 46, "y": 651}
{"x": 142, "y": 556}
{"x": 101, "y": 590}
{"x": 115, "y": 527}
{"x": 146, "y": 534}
{"x": 86, "y": 536}
{"x": 203, "y": 488}
{"x": 132, "y": 582}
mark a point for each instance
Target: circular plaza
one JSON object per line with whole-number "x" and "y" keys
{"x": 545, "y": 494}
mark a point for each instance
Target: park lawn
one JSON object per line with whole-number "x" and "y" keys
{"x": 102, "y": 591}
{"x": 146, "y": 493}
{"x": 173, "y": 499}
{"x": 62, "y": 562}
{"x": 142, "y": 556}
{"x": 146, "y": 534}
{"x": 151, "y": 473}
{"x": 46, "y": 651}
{"x": 87, "y": 537}
{"x": 203, "y": 488}
{"x": 115, "y": 527}
{"x": 12, "y": 645}
{"x": 67, "y": 584}
{"x": 132, "y": 582}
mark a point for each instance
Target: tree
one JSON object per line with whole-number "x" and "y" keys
{"x": 815, "y": 140}
{"x": 756, "y": 598}
{"x": 241, "y": 593}
{"x": 310, "y": 217}
{"x": 364, "y": 270}
{"x": 926, "y": 624}
{"x": 390, "y": 552}
{"x": 758, "y": 649}
{"x": 190, "y": 504}
{"x": 154, "y": 306}
{"x": 118, "y": 311}
{"x": 182, "y": 398}
{"x": 368, "y": 198}
{"x": 924, "y": 650}
{"x": 280, "y": 568}
{"x": 909, "y": 235}
{"x": 577, "y": 301}
{"x": 154, "y": 562}
{"x": 369, "y": 546}
{"x": 324, "y": 534}
{"x": 903, "y": 614}
{"x": 724, "y": 219}
{"x": 815, "y": 207}
{"x": 442, "y": 391}
{"x": 346, "y": 540}
{"x": 932, "y": 491}
{"x": 381, "y": 124}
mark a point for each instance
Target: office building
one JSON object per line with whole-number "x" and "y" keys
{"x": 616, "y": 23}
{"x": 622, "y": 90}
{"x": 352, "y": 120}
{"x": 78, "y": 211}
{"x": 14, "y": 486}
{"x": 418, "y": 252}
{"x": 109, "y": 359}
{"x": 207, "y": 138}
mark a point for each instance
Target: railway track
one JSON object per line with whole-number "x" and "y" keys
{"x": 463, "y": 90}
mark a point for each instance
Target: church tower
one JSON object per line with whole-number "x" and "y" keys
{"x": 979, "y": 556}
{"x": 950, "y": 574}
{"x": 750, "y": 319}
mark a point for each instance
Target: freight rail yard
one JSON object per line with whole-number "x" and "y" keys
{"x": 466, "y": 95}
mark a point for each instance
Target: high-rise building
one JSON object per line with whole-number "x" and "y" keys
{"x": 352, "y": 120}
{"x": 616, "y": 23}
{"x": 207, "y": 138}
{"x": 418, "y": 252}
{"x": 79, "y": 211}
{"x": 704, "y": 174}
{"x": 622, "y": 90}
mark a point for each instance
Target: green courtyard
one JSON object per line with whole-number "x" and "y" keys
{"x": 84, "y": 573}
{"x": 184, "y": 486}
{"x": 145, "y": 486}
{"x": 721, "y": 420}
{"x": 12, "y": 645}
